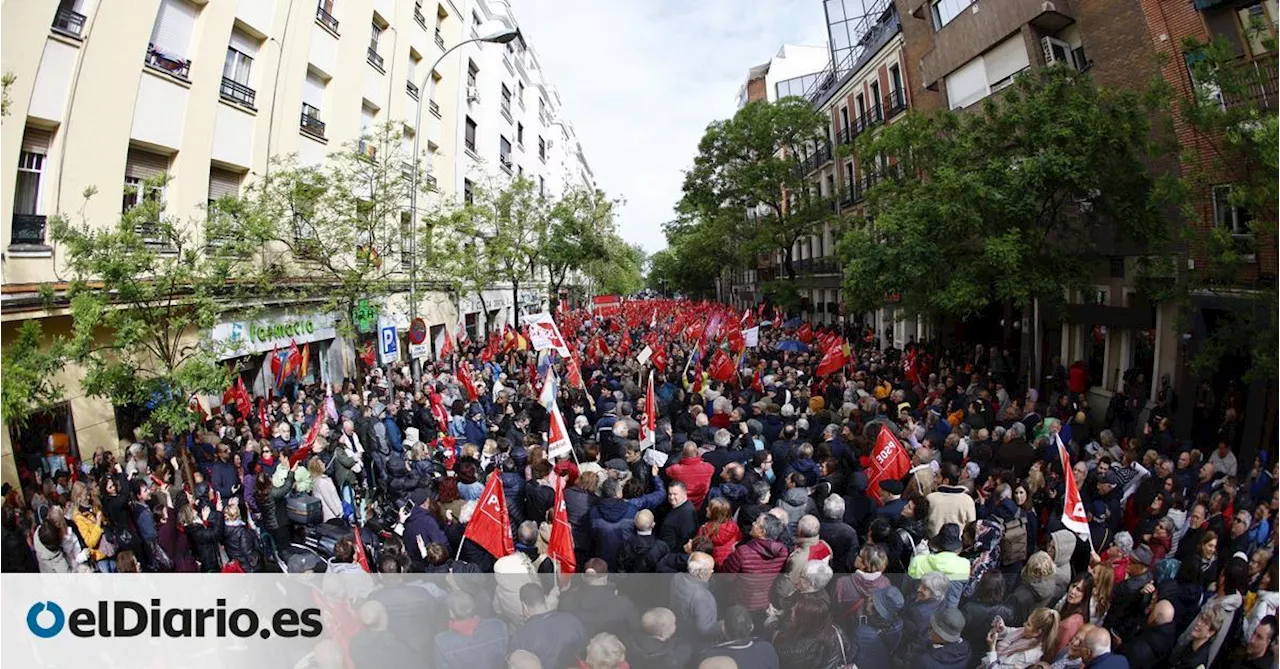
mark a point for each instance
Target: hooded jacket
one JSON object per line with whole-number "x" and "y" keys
{"x": 613, "y": 521}
{"x": 578, "y": 504}
{"x": 758, "y": 561}
{"x": 1064, "y": 544}
{"x": 873, "y": 646}
{"x": 796, "y": 502}
{"x": 1027, "y": 597}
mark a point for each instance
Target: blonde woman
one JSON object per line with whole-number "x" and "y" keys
{"x": 1018, "y": 647}
{"x": 322, "y": 486}
{"x": 605, "y": 651}
{"x": 1104, "y": 580}
{"x": 1036, "y": 589}
{"x": 88, "y": 519}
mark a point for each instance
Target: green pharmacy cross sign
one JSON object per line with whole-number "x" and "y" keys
{"x": 365, "y": 317}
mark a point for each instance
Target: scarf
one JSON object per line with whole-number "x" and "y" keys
{"x": 466, "y": 626}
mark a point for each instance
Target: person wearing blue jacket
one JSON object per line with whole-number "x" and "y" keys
{"x": 222, "y": 474}
{"x": 613, "y": 518}
{"x": 421, "y": 528}
{"x": 876, "y": 635}
{"x": 474, "y": 429}
{"x": 394, "y": 439}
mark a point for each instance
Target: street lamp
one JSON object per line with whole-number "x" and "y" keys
{"x": 497, "y": 34}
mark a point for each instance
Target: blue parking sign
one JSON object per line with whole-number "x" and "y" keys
{"x": 388, "y": 343}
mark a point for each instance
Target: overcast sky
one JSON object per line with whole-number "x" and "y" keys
{"x": 641, "y": 79}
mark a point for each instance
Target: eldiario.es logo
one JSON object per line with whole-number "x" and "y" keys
{"x": 122, "y": 618}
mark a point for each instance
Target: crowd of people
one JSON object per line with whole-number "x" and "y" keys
{"x": 739, "y": 533}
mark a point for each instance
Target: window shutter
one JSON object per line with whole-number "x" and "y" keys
{"x": 242, "y": 42}
{"x": 1006, "y": 58}
{"x": 222, "y": 183}
{"x": 172, "y": 32}
{"x": 968, "y": 84}
{"x": 145, "y": 164}
{"x": 313, "y": 90}
{"x": 36, "y": 140}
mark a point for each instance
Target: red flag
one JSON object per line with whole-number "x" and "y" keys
{"x": 464, "y": 379}
{"x": 573, "y": 371}
{"x": 737, "y": 343}
{"x": 659, "y": 359}
{"x": 560, "y": 546}
{"x": 243, "y": 403}
{"x": 624, "y": 346}
{"x": 1073, "y": 516}
{"x": 361, "y": 557}
{"x": 291, "y": 362}
{"x": 805, "y": 333}
{"x": 697, "y": 377}
{"x": 909, "y": 368}
{"x": 721, "y": 367}
{"x": 369, "y": 356}
{"x": 835, "y": 358}
{"x": 490, "y": 527}
{"x": 888, "y": 461}
{"x": 463, "y": 340}
{"x": 275, "y": 365}
{"x": 439, "y": 412}
{"x": 306, "y": 361}
{"x": 757, "y": 383}
{"x": 444, "y": 344}
{"x": 649, "y": 428}
{"x": 194, "y": 405}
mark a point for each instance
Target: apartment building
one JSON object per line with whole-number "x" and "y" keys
{"x": 105, "y": 96}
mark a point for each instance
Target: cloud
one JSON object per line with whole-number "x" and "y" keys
{"x": 641, "y": 79}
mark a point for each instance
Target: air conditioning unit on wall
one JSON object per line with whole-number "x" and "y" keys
{"x": 473, "y": 94}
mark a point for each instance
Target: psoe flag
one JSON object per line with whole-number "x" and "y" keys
{"x": 544, "y": 334}
{"x": 752, "y": 336}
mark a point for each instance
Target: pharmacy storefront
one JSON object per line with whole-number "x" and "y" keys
{"x": 249, "y": 344}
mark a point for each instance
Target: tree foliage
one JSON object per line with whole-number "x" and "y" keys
{"x": 142, "y": 293}
{"x": 1234, "y": 140}
{"x": 618, "y": 270}
{"x": 30, "y": 369}
{"x": 1016, "y": 201}
{"x": 753, "y": 162}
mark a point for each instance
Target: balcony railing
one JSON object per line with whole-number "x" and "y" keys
{"x": 175, "y": 66}
{"x": 429, "y": 181}
{"x": 823, "y": 265}
{"x": 821, "y": 156}
{"x": 847, "y": 197}
{"x": 417, "y": 16}
{"x": 326, "y": 19}
{"x": 237, "y": 92}
{"x": 434, "y": 108}
{"x": 412, "y": 89}
{"x": 1254, "y": 83}
{"x": 27, "y": 229}
{"x": 68, "y": 22}
{"x": 311, "y": 123}
{"x": 846, "y": 135}
{"x": 375, "y": 60}
{"x": 439, "y": 39}
{"x": 895, "y": 103}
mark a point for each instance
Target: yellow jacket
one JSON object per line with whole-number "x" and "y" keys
{"x": 91, "y": 532}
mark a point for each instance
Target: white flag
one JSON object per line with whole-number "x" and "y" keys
{"x": 544, "y": 334}
{"x": 752, "y": 336}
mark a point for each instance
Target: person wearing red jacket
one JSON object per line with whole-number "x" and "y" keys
{"x": 758, "y": 562}
{"x": 693, "y": 473}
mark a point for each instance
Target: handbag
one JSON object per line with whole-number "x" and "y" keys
{"x": 105, "y": 547}
{"x": 159, "y": 558}
{"x": 844, "y": 658}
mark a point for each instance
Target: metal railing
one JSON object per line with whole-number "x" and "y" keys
{"x": 326, "y": 19}
{"x": 439, "y": 39}
{"x": 237, "y": 92}
{"x": 417, "y": 16}
{"x": 434, "y": 108}
{"x": 375, "y": 59}
{"x": 412, "y": 89}
{"x": 895, "y": 103}
{"x": 429, "y": 182}
{"x": 1255, "y": 82}
{"x": 823, "y": 265}
{"x": 69, "y": 22}
{"x": 175, "y": 66}
{"x": 27, "y": 229}
{"x": 311, "y": 123}
{"x": 469, "y": 143}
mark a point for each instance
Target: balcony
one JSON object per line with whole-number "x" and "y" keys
{"x": 434, "y": 108}
{"x": 237, "y": 92}
{"x": 439, "y": 39}
{"x": 417, "y": 16}
{"x": 375, "y": 60}
{"x": 847, "y": 197}
{"x": 167, "y": 64}
{"x": 971, "y": 34}
{"x": 821, "y": 156}
{"x": 846, "y": 135}
{"x": 823, "y": 265}
{"x": 412, "y": 89}
{"x": 895, "y": 103}
{"x": 1253, "y": 83}
{"x": 326, "y": 19}
{"x": 311, "y": 123}
{"x": 505, "y": 162}
{"x": 28, "y": 229}
{"x": 69, "y": 22}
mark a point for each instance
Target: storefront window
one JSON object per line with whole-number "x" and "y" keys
{"x": 472, "y": 324}
{"x": 32, "y": 446}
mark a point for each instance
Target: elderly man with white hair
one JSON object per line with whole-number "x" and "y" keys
{"x": 692, "y": 602}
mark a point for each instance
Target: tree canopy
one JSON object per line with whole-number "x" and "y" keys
{"x": 1020, "y": 199}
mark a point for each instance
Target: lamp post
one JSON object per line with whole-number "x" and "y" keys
{"x": 501, "y": 34}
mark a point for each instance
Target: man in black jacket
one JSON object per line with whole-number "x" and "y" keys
{"x": 681, "y": 521}
{"x": 641, "y": 552}
{"x": 1153, "y": 644}
{"x": 842, "y": 538}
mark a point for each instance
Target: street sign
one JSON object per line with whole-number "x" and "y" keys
{"x": 417, "y": 331}
{"x": 388, "y": 342}
{"x": 419, "y": 351}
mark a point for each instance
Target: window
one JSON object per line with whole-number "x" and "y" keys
{"x": 312, "y": 102}
{"x": 520, "y": 94}
{"x": 368, "y": 119}
{"x": 542, "y": 186}
{"x": 542, "y": 149}
{"x": 171, "y": 37}
{"x": 520, "y": 134}
{"x": 223, "y": 183}
{"x": 469, "y": 138}
{"x": 28, "y": 209}
{"x": 506, "y": 101}
{"x": 374, "y": 58}
{"x": 987, "y": 73}
{"x": 895, "y": 78}
{"x": 861, "y": 105}
{"x": 140, "y": 166}
{"x": 468, "y": 191}
{"x": 946, "y": 10}
{"x": 875, "y": 101}
{"x": 1257, "y": 26}
{"x": 844, "y": 118}
{"x": 475, "y": 18}
{"x": 848, "y": 174}
{"x": 1229, "y": 216}
{"x": 472, "y": 71}
{"x": 406, "y": 240}
{"x": 504, "y": 153}
{"x": 237, "y": 69}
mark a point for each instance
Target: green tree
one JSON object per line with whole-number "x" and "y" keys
{"x": 1233, "y": 157}
{"x": 755, "y": 162}
{"x": 460, "y": 256}
{"x": 582, "y": 228}
{"x": 693, "y": 258}
{"x": 513, "y": 222}
{"x": 618, "y": 270}
{"x": 1009, "y": 203}
{"x": 30, "y": 374}
{"x": 143, "y": 294}
{"x": 339, "y": 231}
